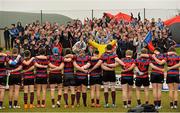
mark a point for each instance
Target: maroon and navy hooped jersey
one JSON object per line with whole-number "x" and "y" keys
{"x": 108, "y": 58}
{"x": 42, "y": 72}
{"x": 128, "y": 62}
{"x": 28, "y": 74}
{"x": 171, "y": 61}
{"x": 81, "y": 61}
{"x": 143, "y": 65}
{"x": 68, "y": 67}
{"x": 160, "y": 57}
{"x": 56, "y": 60}
{"x": 12, "y": 67}
{"x": 3, "y": 60}
{"x": 98, "y": 70}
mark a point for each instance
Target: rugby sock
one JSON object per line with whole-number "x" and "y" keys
{"x": 139, "y": 102}
{"x": 25, "y": 98}
{"x": 1, "y": 103}
{"x": 129, "y": 102}
{"x": 84, "y": 96}
{"x": 113, "y": 95}
{"x": 53, "y": 101}
{"x": 38, "y": 102}
{"x": 92, "y": 100}
{"x": 66, "y": 98}
{"x": 125, "y": 103}
{"x": 31, "y": 97}
{"x": 43, "y": 102}
{"x": 155, "y": 103}
{"x": 59, "y": 97}
{"x": 106, "y": 94}
{"x": 171, "y": 103}
{"x": 159, "y": 103}
{"x": 175, "y": 103}
{"x": 72, "y": 99}
{"x": 78, "y": 95}
{"x": 10, "y": 103}
{"x": 15, "y": 102}
{"x": 97, "y": 101}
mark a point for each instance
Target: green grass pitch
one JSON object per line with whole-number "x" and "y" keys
{"x": 119, "y": 108}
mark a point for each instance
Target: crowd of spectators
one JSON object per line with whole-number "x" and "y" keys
{"x": 75, "y": 35}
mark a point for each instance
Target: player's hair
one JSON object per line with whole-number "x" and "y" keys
{"x": 42, "y": 51}
{"x": 1, "y": 49}
{"x": 15, "y": 51}
{"x": 109, "y": 47}
{"x": 171, "y": 49}
{"x": 27, "y": 54}
{"x": 158, "y": 49}
{"x": 96, "y": 52}
{"x": 144, "y": 51}
{"x": 67, "y": 51}
{"x": 129, "y": 53}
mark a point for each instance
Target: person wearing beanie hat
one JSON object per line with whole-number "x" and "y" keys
{"x": 55, "y": 51}
{"x": 68, "y": 77}
{"x": 55, "y": 76}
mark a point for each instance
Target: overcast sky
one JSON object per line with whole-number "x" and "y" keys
{"x": 23, "y": 5}
{"x": 58, "y": 6}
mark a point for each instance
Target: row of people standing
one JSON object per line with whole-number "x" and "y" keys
{"x": 101, "y": 70}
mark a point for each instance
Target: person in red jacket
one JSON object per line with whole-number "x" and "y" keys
{"x": 58, "y": 45}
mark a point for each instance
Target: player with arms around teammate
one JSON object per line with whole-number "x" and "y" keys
{"x": 28, "y": 78}
{"x": 108, "y": 60}
{"x": 127, "y": 78}
{"x": 41, "y": 64}
{"x": 95, "y": 79}
{"x": 55, "y": 76}
{"x": 143, "y": 64}
{"x": 3, "y": 76}
{"x": 172, "y": 78}
{"x": 15, "y": 67}
{"x": 81, "y": 63}
{"x": 68, "y": 77}
{"x": 157, "y": 77}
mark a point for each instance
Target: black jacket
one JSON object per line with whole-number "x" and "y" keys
{"x": 6, "y": 34}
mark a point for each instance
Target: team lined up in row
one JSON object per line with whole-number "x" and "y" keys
{"x": 58, "y": 70}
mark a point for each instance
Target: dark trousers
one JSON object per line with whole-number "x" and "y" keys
{"x": 7, "y": 43}
{"x": 12, "y": 42}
